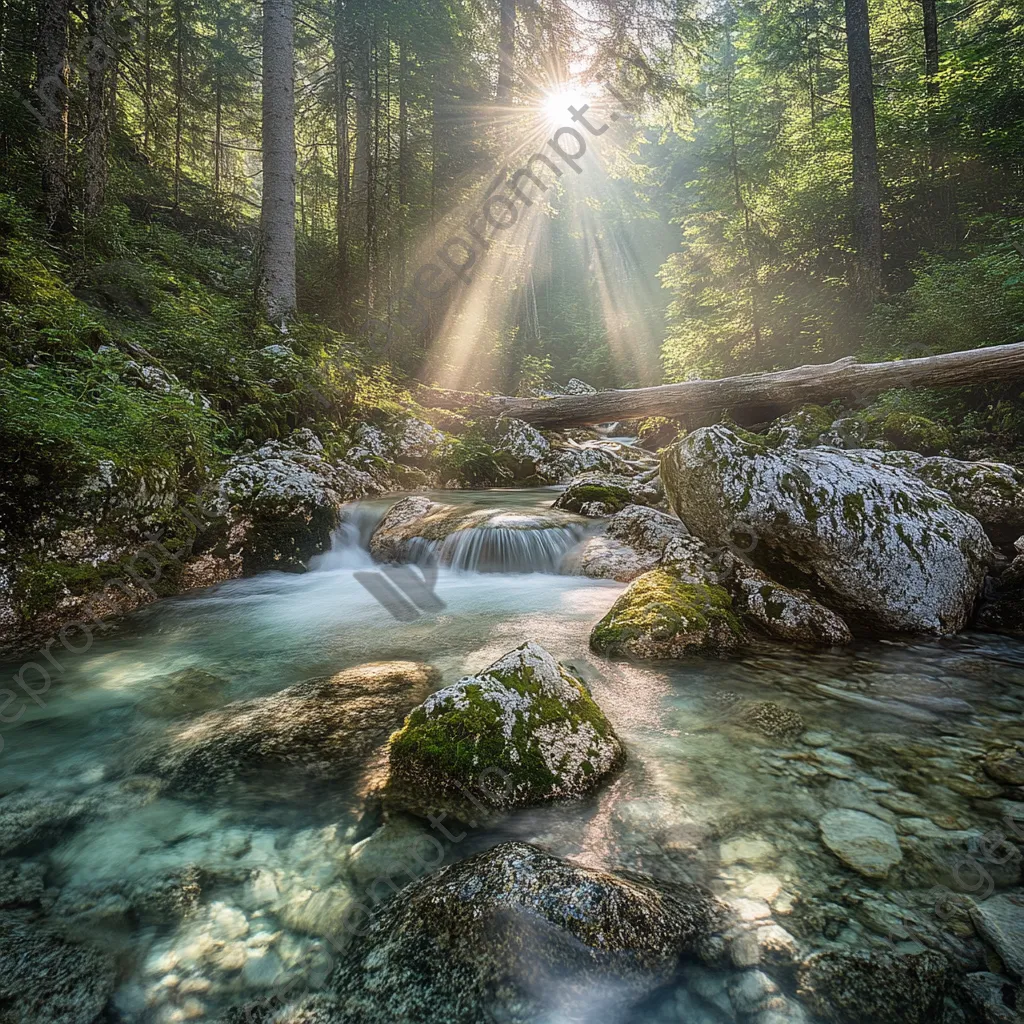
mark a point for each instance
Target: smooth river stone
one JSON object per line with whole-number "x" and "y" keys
{"x": 1000, "y": 920}
{"x": 861, "y": 841}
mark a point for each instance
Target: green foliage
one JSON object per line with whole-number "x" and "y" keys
{"x": 472, "y": 460}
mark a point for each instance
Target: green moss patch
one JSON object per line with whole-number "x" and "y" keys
{"x": 661, "y": 615}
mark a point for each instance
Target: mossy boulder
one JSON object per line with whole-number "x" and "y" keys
{"x": 802, "y": 427}
{"x": 282, "y": 501}
{"x": 321, "y": 729}
{"x": 594, "y": 498}
{"x": 784, "y": 613}
{"x": 992, "y": 492}
{"x": 878, "y": 987}
{"x": 524, "y": 731}
{"x": 516, "y": 935}
{"x": 871, "y": 541}
{"x": 664, "y": 614}
{"x": 916, "y": 433}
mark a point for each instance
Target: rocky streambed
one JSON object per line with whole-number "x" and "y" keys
{"x": 745, "y": 769}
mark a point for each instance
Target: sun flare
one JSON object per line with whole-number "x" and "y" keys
{"x": 556, "y": 103}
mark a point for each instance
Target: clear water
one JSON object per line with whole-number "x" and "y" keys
{"x": 908, "y": 722}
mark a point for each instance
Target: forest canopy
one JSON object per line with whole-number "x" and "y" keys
{"x": 775, "y": 183}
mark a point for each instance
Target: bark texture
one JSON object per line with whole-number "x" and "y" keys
{"x": 277, "y": 215}
{"x": 97, "y": 137}
{"x": 867, "y": 189}
{"x": 845, "y": 379}
{"x": 50, "y": 104}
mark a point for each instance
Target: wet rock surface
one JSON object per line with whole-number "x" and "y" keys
{"x": 873, "y": 542}
{"x": 515, "y": 934}
{"x": 885, "y": 988}
{"x": 636, "y": 540}
{"x": 322, "y": 728}
{"x": 524, "y": 731}
{"x": 48, "y": 979}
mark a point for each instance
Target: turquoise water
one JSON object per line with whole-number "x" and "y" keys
{"x": 704, "y": 797}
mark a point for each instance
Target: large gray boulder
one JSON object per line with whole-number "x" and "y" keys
{"x": 992, "y": 492}
{"x": 524, "y": 731}
{"x": 516, "y": 935}
{"x": 322, "y": 728}
{"x": 871, "y": 541}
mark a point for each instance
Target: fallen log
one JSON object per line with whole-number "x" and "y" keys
{"x": 843, "y": 379}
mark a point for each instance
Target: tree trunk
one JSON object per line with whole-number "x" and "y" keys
{"x": 277, "y": 211}
{"x": 931, "y": 46}
{"x": 844, "y": 379}
{"x": 404, "y": 160}
{"x": 50, "y": 105}
{"x": 867, "y": 189}
{"x": 97, "y": 135}
{"x": 179, "y": 94}
{"x": 506, "y": 52}
{"x": 342, "y": 159}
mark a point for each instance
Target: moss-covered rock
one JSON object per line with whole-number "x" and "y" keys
{"x": 282, "y": 501}
{"x": 801, "y": 427}
{"x": 518, "y": 936}
{"x": 784, "y": 613}
{"x": 662, "y": 614}
{"x": 992, "y": 492}
{"x": 878, "y": 987}
{"x": 594, "y": 498}
{"x": 323, "y": 728}
{"x": 916, "y": 433}
{"x": 871, "y": 541}
{"x": 524, "y": 731}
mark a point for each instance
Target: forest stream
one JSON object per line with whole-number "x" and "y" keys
{"x": 208, "y": 901}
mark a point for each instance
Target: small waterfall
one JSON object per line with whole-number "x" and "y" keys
{"x": 497, "y": 546}
{"x": 351, "y": 540}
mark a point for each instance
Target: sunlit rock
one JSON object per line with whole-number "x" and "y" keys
{"x": 639, "y": 539}
{"x": 323, "y": 728}
{"x": 283, "y": 500}
{"x": 668, "y": 613}
{"x": 524, "y": 731}
{"x": 861, "y": 841}
{"x": 873, "y": 542}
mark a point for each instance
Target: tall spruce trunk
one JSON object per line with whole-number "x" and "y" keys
{"x": 97, "y": 132}
{"x": 342, "y": 155}
{"x": 362, "y": 170}
{"x": 867, "y": 189}
{"x": 277, "y": 211}
{"x": 50, "y": 104}
{"x": 506, "y": 52}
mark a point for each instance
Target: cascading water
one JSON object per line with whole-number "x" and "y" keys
{"x": 506, "y": 543}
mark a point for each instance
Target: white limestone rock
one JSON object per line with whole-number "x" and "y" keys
{"x": 876, "y": 544}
